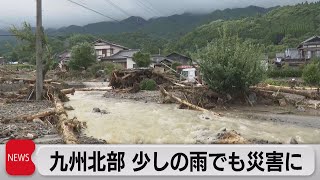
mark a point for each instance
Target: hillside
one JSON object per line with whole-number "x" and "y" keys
{"x": 168, "y": 27}
{"x": 280, "y": 28}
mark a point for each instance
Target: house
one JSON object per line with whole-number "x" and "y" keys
{"x": 156, "y": 59}
{"x": 310, "y": 48}
{"x": 2, "y": 61}
{"x": 184, "y": 60}
{"x": 65, "y": 56}
{"x": 279, "y": 58}
{"x": 63, "y": 59}
{"x": 106, "y": 49}
{"x": 122, "y": 57}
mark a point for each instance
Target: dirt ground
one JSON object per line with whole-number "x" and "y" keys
{"x": 12, "y": 127}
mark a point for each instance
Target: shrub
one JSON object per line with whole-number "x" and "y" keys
{"x": 311, "y": 74}
{"x": 230, "y": 65}
{"x": 110, "y": 67}
{"x": 148, "y": 84}
{"x": 284, "y": 72}
{"x": 142, "y": 59}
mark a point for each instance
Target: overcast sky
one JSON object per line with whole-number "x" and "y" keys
{"x": 57, "y": 13}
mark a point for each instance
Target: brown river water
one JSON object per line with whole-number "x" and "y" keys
{"x": 133, "y": 122}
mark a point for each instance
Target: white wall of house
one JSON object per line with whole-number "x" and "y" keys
{"x": 130, "y": 63}
{"x": 105, "y": 47}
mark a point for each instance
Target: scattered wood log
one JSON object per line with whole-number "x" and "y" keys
{"x": 129, "y": 78}
{"x": 308, "y": 94}
{"x": 192, "y": 106}
{"x": 68, "y": 91}
{"x": 65, "y": 129}
{"x": 39, "y": 115}
{"x": 92, "y": 89}
{"x": 30, "y": 81}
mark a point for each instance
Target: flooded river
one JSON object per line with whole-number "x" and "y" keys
{"x": 132, "y": 122}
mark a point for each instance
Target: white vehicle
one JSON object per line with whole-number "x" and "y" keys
{"x": 189, "y": 74}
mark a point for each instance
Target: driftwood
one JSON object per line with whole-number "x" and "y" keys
{"x": 39, "y": 115}
{"x": 68, "y": 91}
{"x": 66, "y": 131}
{"x": 92, "y": 89}
{"x": 308, "y": 94}
{"x": 192, "y": 106}
{"x": 30, "y": 81}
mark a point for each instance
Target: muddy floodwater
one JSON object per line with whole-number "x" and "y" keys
{"x": 133, "y": 122}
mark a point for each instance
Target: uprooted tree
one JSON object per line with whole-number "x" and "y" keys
{"x": 230, "y": 65}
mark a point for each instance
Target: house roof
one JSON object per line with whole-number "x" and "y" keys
{"x": 123, "y": 54}
{"x": 310, "y": 41}
{"x": 110, "y": 43}
{"x": 157, "y": 58}
{"x": 178, "y": 54}
{"x": 65, "y": 54}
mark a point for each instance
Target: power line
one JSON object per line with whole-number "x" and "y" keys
{"x": 143, "y": 6}
{"x": 117, "y": 7}
{"x": 152, "y": 7}
{"x": 90, "y": 9}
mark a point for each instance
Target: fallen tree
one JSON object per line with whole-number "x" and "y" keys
{"x": 179, "y": 100}
{"x": 38, "y": 115}
{"x": 306, "y": 93}
{"x": 66, "y": 130}
{"x": 68, "y": 91}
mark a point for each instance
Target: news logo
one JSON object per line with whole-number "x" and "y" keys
{"x": 18, "y": 157}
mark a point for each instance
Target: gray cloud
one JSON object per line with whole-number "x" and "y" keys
{"x": 57, "y": 13}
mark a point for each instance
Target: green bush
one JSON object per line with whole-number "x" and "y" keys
{"x": 311, "y": 74}
{"x": 284, "y": 72}
{"x": 148, "y": 84}
{"x": 110, "y": 67}
{"x": 230, "y": 65}
{"x": 142, "y": 59}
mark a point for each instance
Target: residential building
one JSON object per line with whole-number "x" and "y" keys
{"x": 176, "y": 57}
{"x": 106, "y": 49}
{"x": 310, "y": 48}
{"x": 122, "y": 57}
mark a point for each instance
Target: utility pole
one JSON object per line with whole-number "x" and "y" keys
{"x": 39, "y": 53}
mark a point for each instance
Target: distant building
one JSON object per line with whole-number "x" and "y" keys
{"x": 176, "y": 57}
{"x": 310, "y": 48}
{"x": 64, "y": 58}
{"x": 2, "y": 61}
{"x": 122, "y": 57}
{"x": 105, "y": 49}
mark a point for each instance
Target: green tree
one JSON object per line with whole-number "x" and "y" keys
{"x": 76, "y": 39}
{"x": 26, "y": 49}
{"x": 311, "y": 74}
{"x": 82, "y": 56}
{"x": 142, "y": 59}
{"x": 230, "y": 65}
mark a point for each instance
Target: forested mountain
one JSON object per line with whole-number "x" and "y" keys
{"x": 168, "y": 27}
{"x": 280, "y": 28}
{"x": 150, "y": 35}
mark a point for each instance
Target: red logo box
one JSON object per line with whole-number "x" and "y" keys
{"x": 18, "y": 157}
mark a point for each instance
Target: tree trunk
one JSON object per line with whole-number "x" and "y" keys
{"x": 192, "y": 106}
